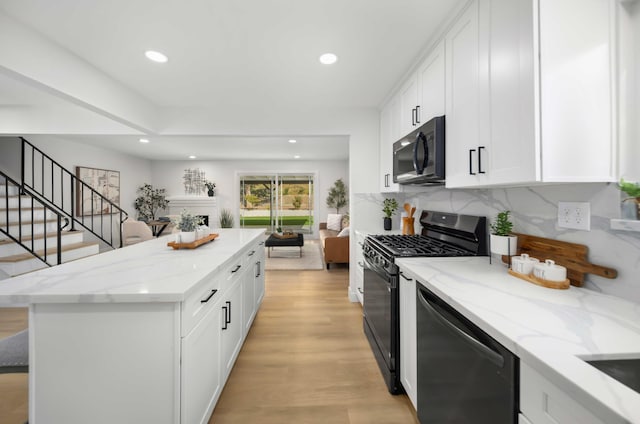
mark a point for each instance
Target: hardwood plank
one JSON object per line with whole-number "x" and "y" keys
{"x": 306, "y": 359}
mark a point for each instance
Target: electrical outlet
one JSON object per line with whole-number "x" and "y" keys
{"x": 576, "y": 215}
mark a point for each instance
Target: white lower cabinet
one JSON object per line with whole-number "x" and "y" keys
{"x": 232, "y": 328}
{"x": 542, "y": 402}
{"x": 200, "y": 377}
{"x": 408, "y": 337}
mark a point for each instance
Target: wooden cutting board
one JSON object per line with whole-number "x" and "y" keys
{"x": 572, "y": 256}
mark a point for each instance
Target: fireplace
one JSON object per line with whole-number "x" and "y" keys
{"x": 204, "y": 206}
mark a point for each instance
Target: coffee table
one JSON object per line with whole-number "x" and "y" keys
{"x": 274, "y": 241}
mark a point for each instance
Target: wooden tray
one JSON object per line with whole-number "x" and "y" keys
{"x": 194, "y": 244}
{"x": 562, "y": 285}
{"x": 285, "y": 235}
{"x": 572, "y": 256}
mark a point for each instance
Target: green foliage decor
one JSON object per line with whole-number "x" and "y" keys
{"x": 149, "y": 201}
{"x": 188, "y": 222}
{"x": 502, "y": 226}
{"x": 337, "y": 197}
{"x": 389, "y": 207}
{"x": 226, "y": 218}
{"x": 630, "y": 189}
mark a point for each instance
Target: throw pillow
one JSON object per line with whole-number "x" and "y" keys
{"x": 344, "y": 232}
{"x": 334, "y": 222}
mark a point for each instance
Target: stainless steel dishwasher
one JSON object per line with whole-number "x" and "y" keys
{"x": 464, "y": 375}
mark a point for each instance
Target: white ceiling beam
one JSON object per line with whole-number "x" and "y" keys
{"x": 29, "y": 58}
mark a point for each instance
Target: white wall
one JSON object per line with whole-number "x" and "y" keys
{"x": 168, "y": 175}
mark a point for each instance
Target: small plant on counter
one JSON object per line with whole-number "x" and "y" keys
{"x": 226, "y": 219}
{"x": 630, "y": 210}
{"x": 502, "y": 226}
{"x": 502, "y": 242}
{"x": 389, "y": 207}
{"x": 187, "y": 221}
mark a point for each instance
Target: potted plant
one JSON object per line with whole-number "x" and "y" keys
{"x": 149, "y": 201}
{"x": 389, "y": 207}
{"x": 226, "y": 218}
{"x": 337, "y": 197}
{"x": 187, "y": 224}
{"x": 630, "y": 204}
{"x": 210, "y": 185}
{"x": 502, "y": 241}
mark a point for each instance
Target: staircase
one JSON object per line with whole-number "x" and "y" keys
{"x": 29, "y": 234}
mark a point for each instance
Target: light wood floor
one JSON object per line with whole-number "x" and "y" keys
{"x": 306, "y": 360}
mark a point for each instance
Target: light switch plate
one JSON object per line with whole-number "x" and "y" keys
{"x": 575, "y": 215}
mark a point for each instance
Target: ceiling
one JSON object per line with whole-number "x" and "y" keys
{"x": 232, "y": 53}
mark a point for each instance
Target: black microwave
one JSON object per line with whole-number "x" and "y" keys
{"x": 418, "y": 158}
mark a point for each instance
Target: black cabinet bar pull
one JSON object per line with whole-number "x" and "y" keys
{"x": 251, "y": 253}
{"x": 405, "y": 277}
{"x": 225, "y": 318}
{"x": 360, "y": 290}
{"x": 261, "y": 243}
{"x": 471, "y": 151}
{"x": 236, "y": 269}
{"x": 205, "y": 300}
{"x": 417, "y": 114}
{"x": 229, "y": 305}
{"x": 413, "y": 117}
{"x": 258, "y": 269}
{"x": 480, "y": 171}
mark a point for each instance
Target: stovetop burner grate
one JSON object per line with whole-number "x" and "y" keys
{"x": 417, "y": 245}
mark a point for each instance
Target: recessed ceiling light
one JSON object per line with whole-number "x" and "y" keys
{"x": 292, "y": 141}
{"x": 192, "y": 157}
{"x": 296, "y": 157}
{"x": 328, "y": 58}
{"x": 144, "y": 140}
{"x": 156, "y": 56}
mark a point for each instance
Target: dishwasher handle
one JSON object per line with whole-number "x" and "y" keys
{"x": 474, "y": 343}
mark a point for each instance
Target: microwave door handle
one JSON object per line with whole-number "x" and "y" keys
{"x": 474, "y": 343}
{"x": 420, "y": 142}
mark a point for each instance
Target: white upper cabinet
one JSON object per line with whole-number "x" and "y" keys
{"x": 542, "y": 99}
{"x": 409, "y": 109}
{"x": 462, "y": 119}
{"x": 389, "y": 133}
{"x": 431, "y": 85}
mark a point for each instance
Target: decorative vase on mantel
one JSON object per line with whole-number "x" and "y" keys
{"x": 211, "y": 193}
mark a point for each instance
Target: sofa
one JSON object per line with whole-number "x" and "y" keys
{"x": 335, "y": 250}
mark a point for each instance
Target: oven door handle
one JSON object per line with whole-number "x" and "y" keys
{"x": 474, "y": 343}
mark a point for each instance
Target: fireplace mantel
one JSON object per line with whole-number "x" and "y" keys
{"x": 197, "y": 205}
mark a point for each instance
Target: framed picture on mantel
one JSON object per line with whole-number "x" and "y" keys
{"x": 105, "y": 182}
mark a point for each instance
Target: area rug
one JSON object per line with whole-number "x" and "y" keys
{"x": 287, "y": 258}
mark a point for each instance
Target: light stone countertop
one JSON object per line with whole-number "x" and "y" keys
{"x": 548, "y": 329}
{"x": 149, "y": 271}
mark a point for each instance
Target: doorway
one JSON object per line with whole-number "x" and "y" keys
{"x": 277, "y": 201}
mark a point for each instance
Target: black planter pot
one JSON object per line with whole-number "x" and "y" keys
{"x": 387, "y": 223}
{"x": 210, "y": 193}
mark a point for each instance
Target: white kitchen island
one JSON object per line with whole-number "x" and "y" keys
{"x": 143, "y": 334}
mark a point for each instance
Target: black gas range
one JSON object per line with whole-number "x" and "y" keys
{"x": 442, "y": 235}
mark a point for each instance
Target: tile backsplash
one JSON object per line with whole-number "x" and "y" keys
{"x": 534, "y": 211}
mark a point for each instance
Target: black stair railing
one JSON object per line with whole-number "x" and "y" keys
{"x": 21, "y": 229}
{"x": 74, "y": 198}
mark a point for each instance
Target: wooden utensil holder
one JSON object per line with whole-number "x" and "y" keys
{"x": 407, "y": 225}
